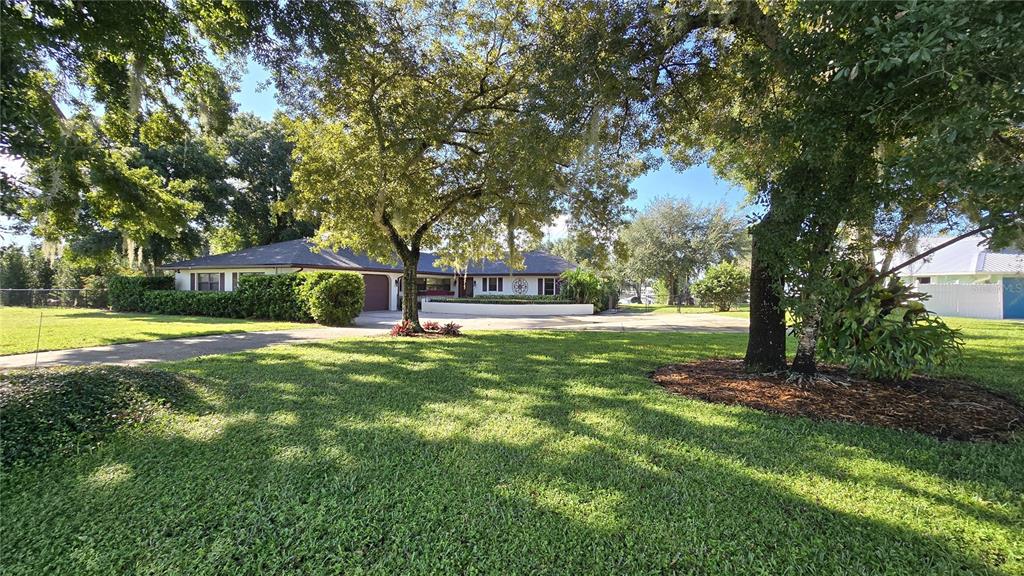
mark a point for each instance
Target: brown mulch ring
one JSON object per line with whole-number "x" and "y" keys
{"x": 945, "y": 409}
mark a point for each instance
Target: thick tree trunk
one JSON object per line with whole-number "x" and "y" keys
{"x": 766, "y": 345}
{"x": 410, "y": 312}
{"x": 805, "y": 361}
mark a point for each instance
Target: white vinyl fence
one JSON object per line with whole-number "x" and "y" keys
{"x": 970, "y": 300}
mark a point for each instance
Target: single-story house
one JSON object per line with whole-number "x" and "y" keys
{"x": 967, "y": 278}
{"x": 221, "y": 272}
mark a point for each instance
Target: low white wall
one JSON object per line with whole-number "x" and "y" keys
{"x": 508, "y": 309}
{"x": 969, "y": 300}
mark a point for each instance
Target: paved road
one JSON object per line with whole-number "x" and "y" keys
{"x": 369, "y": 324}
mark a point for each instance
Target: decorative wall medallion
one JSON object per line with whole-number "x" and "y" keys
{"x": 519, "y": 286}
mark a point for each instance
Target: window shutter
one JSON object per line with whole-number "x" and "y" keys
{"x": 540, "y": 286}
{"x": 234, "y": 281}
{"x": 500, "y": 288}
{"x": 220, "y": 286}
{"x": 558, "y": 287}
{"x": 192, "y": 281}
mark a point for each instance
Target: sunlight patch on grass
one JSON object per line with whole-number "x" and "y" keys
{"x": 109, "y": 475}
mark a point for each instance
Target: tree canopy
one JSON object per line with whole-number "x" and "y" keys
{"x": 436, "y": 132}
{"x": 674, "y": 241}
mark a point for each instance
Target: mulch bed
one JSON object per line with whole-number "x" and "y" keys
{"x": 945, "y": 409}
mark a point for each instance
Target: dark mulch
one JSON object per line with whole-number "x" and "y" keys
{"x": 945, "y": 409}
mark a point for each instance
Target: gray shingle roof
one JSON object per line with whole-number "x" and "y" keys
{"x": 299, "y": 254}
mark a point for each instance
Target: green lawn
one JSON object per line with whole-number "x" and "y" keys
{"x": 64, "y": 328}
{"x": 519, "y": 453}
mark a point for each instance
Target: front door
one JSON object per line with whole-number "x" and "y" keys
{"x": 465, "y": 286}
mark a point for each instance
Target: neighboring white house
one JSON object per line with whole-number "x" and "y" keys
{"x": 968, "y": 279}
{"x": 221, "y": 272}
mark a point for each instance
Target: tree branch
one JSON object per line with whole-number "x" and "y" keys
{"x": 933, "y": 250}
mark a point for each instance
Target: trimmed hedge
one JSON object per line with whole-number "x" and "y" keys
{"x": 275, "y": 296}
{"x": 67, "y": 410}
{"x": 334, "y": 299}
{"x": 272, "y": 297}
{"x": 126, "y": 292}
{"x": 175, "y": 302}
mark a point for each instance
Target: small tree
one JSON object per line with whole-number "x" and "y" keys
{"x": 723, "y": 285}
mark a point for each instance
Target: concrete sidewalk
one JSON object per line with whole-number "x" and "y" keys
{"x": 368, "y": 324}
{"x": 137, "y": 353}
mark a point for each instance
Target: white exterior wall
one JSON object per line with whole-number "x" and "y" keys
{"x": 508, "y": 309}
{"x": 531, "y": 285}
{"x": 969, "y": 300}
{"x": 182, "y": 281}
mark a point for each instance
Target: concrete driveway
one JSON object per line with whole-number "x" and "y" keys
{"x": 369, "y": 324}
{"x": 608, "y": 321}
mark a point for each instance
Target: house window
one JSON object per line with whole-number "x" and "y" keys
{"x": 433, "y": 285}
{"x": 208, "y": 282}
{"x": 547, "y": 287}
{"x": 924, "y": 280}
{"x": 491, "y": 284}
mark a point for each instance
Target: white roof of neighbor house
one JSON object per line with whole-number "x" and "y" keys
{"x": 968, "y": 256}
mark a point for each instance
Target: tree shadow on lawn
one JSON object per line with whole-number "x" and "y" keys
{"x": 505, "y": 453}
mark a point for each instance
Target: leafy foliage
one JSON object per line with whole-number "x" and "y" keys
{"x": 456, "y": 145}
{"x": 673, "y": 241}
{"x": 883, "y": 331}
{"x": 404, "y": 328}
{"x": 585, "y": 287}
{"x": 275, "y": 296}
{"x": 723, "y": 285}
{"x": 331, "y": 298}
{"x": 65, "y": 411}
{"x": 335, "y": 300}
{"x": 192, "y": 303}
{"x": 450, "y": 329}
{"x": 127, "y": 293}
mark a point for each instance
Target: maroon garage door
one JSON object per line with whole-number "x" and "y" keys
{"x": 376, "y": 292}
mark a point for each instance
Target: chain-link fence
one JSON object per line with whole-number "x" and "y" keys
{"x": 54, "y": 297}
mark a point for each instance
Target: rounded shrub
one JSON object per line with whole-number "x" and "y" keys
{"x": 722, "y": 286}
{"x": 335, "y": 298}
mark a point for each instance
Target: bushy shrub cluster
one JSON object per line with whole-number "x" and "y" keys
{"x": 334, "y": 299}
{"x": 403, "y": 328}
{"x": 722, "y": 286}
{"x": 126, "y": 292}
{"x": 275, "y": 296}
{"x": 584, "y": 287}
{"x": 331, "y": 298}
{"x": 882, "y": 331}
{"x": 67, "y": 410}
{"x": 176, "y": 302}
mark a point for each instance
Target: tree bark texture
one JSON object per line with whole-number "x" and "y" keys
{"x": 766, "y": 345}
{"x": 410, "y": 312}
